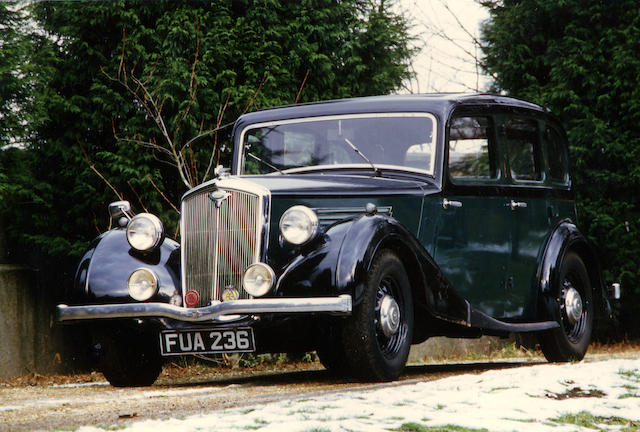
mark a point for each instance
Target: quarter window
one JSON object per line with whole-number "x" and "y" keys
{"x": 470, "y": 149}
{"x": 557, "y": 155}
{"x": 523, "y": 149}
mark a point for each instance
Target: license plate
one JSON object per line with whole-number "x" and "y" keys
{"x": 207, "y": 341}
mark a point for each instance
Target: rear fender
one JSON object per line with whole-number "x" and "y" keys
{"x": 566, "y": 237}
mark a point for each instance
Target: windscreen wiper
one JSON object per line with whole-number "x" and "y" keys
{"x": 352, "y": 145}
{"x": 266, "y": 163}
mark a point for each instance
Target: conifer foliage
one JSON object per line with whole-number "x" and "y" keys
{"x": 580, "y": 58}
{"x": 137, "y": 98}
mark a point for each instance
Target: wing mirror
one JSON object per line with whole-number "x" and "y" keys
{"x": 120, "y": 211}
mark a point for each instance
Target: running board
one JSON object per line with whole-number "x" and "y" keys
{"x": 483, "y": 321}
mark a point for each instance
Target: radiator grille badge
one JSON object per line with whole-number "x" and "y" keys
{"x": 218, "y": 196}
{"x": 191, "y": 298}
{"x": 230, "y": 293}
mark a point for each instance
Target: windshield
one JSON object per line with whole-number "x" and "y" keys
{"x": 391, "y": 140}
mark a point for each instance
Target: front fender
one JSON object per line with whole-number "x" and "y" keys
{"x": 339, "y": 262}
{"x": 104, "y": 270}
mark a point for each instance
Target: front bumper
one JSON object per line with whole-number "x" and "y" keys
{"x": 340, "y": 305}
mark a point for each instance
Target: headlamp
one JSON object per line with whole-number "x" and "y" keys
{"x": 145, "y": 232}
{"x": 298, "y": 225}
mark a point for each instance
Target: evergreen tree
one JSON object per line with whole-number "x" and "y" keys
{"x": 580, "y": 58}
{"x": 198, "y": 65}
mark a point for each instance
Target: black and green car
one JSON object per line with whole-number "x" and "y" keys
{"x": 354, "y": 228}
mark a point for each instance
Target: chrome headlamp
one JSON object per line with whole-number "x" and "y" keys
{"x": 142, "y": 284}
{"x": 258, "y": 279}
{"x": 145, "y": 232}
{"x": 298, "y": 225}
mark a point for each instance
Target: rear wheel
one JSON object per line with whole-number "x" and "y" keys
{"x": 377, "y": 337}
{"x": 130, "y": 361}
{"x": 573, "y": 306}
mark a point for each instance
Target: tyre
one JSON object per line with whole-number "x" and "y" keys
{"x": 573, "y": 306}
{"x": 130, "y": 362}
{"x": 377, "y": 337}
{"x": 332, "y": 355}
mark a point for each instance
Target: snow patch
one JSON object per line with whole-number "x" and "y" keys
{"x": 518, "y": 399}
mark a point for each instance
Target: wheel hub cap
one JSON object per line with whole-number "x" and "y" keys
{"x": 573, "y": 305}
{"x": 389, "y": 316}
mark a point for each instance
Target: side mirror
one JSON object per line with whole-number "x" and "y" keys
{"x": 119, "y": 209}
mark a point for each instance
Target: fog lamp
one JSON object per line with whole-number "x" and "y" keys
{"x": 142, "y": 284}
{"x": 258, "y": 279}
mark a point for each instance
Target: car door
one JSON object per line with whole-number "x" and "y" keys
{"x": 472, "y": 244}
{"x": 520, "y": 137}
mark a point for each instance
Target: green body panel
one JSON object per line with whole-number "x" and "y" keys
{"x": 528, "y": 230}
{"x": 472, "y": 248}
{"x": 404, "y": 208}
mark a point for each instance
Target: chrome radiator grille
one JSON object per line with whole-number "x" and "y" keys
{"x": 220, "y": 239}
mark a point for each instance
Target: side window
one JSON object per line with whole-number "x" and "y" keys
{"x": 523, "y": 148}
{"x": 557, "y": 155}
{"x": 470, "y": 150}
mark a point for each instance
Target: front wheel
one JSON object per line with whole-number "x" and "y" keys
{"x": 130, "y": 361}
{"x": 377, "y": 337}
{"x": 573, "y": 304}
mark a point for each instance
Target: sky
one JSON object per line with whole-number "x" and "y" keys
{"x": 445, "y": 30}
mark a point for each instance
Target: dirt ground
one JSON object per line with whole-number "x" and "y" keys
{"x": 67, "y": 401}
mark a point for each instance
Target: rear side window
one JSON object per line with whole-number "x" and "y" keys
{"x": 523, "y": 148}
{"x": 471, "y": 149}
{"x": 557, "y": 155}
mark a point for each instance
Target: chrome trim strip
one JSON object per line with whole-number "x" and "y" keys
{"x": 340, "y": 305}
{"x": 239, "y": 165}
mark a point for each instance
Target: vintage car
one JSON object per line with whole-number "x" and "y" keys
{"x": 355, "y": 228}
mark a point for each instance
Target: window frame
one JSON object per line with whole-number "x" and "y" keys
{"x": 494, "y": 152}
{"x": 538, "y": 154}
{"x": 431, "y": 172}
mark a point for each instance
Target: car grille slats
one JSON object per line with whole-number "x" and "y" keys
{"x": 328, "y": 216}
{"x": 219, "y": 241}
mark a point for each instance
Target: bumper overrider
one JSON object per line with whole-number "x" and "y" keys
{"x": 340, "y": 305}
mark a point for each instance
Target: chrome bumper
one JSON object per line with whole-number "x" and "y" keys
{"x": 340, "y": 305}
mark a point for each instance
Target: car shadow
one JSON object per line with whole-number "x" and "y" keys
{"x": 323, "y": 377}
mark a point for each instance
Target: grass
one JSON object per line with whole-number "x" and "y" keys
{"x": 631, "y": 375}
{"x": 588, "y": 420}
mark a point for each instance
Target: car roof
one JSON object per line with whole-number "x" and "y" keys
{"x": 439, "y": 104}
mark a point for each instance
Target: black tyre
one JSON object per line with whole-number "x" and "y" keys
{"x": 377, "y": 337}
{"x": 130, "y": 362}
{"x": 574, "y": 308}
{"x": 333, "y": 359}
{"x": 331, "y": 352}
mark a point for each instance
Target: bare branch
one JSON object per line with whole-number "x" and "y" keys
{"x": 120, "y": 67}
{"x": 475, "y": 40}
{"x": 95, "y": 170}
{"x": 252, "y": 99}
{"x": 304, "y": 81}
{"x": 137, "y": 196}
{"x": 162, "y": 194}
{"x": 209, "y": 132}
{"x": 221, "y": 112}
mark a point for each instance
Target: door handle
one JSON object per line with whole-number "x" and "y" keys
{"x": 446, "y": 204}
{"x": 517, "y": 204}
